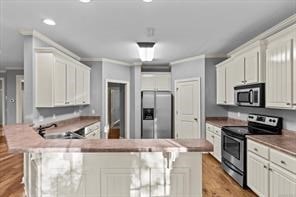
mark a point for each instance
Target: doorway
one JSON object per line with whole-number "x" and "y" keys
{"x": 19, "y": 98}
{"x": 117, "y": 108}
{"x": 187, "y": 108}
{"x": 2, "y": 102}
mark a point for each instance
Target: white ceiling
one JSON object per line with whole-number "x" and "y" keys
{"x": 111, "y": 28}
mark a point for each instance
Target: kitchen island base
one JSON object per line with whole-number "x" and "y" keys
{"x": 138, "y": 174}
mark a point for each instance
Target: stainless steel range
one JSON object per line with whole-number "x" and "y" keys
{"x": 234, "y": 143}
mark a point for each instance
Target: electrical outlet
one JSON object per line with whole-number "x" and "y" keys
{"x": 93, "y": 112}
{"x": 238, "y": 114}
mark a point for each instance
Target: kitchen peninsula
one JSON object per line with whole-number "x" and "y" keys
{"x": 101, "y": 167}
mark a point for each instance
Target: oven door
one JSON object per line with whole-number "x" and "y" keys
{"x": 233, "y": 150}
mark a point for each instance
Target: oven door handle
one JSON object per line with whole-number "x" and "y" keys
{"x": 232, "y": 136}
{"x": 251, "y": 96}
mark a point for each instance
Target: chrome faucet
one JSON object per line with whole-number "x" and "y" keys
{"x": 41, "y": 129}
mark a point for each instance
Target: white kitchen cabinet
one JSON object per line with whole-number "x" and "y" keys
{"x": 132, "y": 175}
{"x": 252, "y": 63}
{"x": 270, "y": 172}
{"x": 221, "y": 84}
{"x": 82, "y": 85}
{"x": 279, "y": 71}
{"x": 282, "y": 182}
{"x": 156, "y": 81}
{"x": 56, "y": 80}
{"x": 213, "y": 135}
{"x": 59, "y": 82}
{"x": 257, "y": 174}
{"x": 70, "y": 83}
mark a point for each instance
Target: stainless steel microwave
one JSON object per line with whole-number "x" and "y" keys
{"x": 252, "y": 95}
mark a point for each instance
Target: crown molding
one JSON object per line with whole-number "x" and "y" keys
{"x": 48, "y": 41}
{"x": 96, "y": 59}
{"x": 275, "y": 29}
{"x": 189, "y": 59}
{"x": 216, "y": 55}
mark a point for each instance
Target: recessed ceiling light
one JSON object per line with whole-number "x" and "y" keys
{"x": 85, "y": 1}
{"x": 147, "y": 1}
{"x": 49, "y": 21}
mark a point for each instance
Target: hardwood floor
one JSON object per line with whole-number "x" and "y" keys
{"x": 216, "y": 183}
{"x": 11, "y": 171}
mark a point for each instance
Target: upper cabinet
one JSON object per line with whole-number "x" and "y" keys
{"x": 156, "y": 81}
{"x": 221, "y": 84}
{"x": 242, "y": 68}
{"x": 279, "y": 76}
{"x": 60, "y": 80}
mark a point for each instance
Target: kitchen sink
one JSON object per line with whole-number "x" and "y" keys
{"x": 65, "y": 135}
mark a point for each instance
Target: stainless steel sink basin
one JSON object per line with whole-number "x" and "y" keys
{"x": 65, "y": 135}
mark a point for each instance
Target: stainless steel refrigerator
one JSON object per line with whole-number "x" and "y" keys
{"x": 156, "y": 115}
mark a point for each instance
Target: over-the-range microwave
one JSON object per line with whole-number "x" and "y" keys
{"x": 252, "y": 95}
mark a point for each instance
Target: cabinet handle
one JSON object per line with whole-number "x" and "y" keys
{"x": 265, "y": 166}
{"x": 213, "y": 136}
{"x": 255, "y": 149}
{"x": 270, "y": 169}
{"x": 288, "y": 103}
{"x": 283, "y": 162}
{"x": 225, "y": 102}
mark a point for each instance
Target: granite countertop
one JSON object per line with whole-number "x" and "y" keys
{"x": 24, "y": 138}
{"x": 73, "y": 124}
{"x": 224, "y": 121}
{"x": 285, "y": 142}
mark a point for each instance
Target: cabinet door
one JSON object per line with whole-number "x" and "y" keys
{"x": 237, "y": 71}
{"x": 279, "y": 74}
{"x": 79, "y": 85}
{"x": 70, "y": 96}
{"x": 257, "y": 174}
{"x": 221, "y": 82}
{"x": 282, "y": 182}
{"x": 163, "y": 82}
{"x": 60, "y": 82}
{"x": 86, "y": 86}
{"x": 252, "y": 66}
{"x": 217, "y": 147}
{"x": 147, "y": 82}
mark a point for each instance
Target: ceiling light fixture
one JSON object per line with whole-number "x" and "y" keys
{"x": 146, "y": 51}
{"x": 50, "y": 22}
{"x": 147, "y": 1}
{"x": 85, "y": 1}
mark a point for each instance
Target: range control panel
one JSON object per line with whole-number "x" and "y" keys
{"x": 262, "y": 119}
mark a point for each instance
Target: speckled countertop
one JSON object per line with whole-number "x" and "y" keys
{"x": 285, "y": 142}
{"x": 23, "y": 138}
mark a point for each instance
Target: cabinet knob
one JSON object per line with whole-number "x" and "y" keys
{"x": 283, "y": 162}
{"x": 255, "y": 149}
{"x": 265, "y": 166}
{"x": 288, "y": 103}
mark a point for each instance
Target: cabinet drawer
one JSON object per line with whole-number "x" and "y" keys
{"x": 217, "y": 131}
{"x": 258, "y": 149}
{"x": 209, "y": 127}
{"x": 285, "y": 161}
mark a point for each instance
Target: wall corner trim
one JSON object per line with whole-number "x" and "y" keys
{"x": 188, "y": 59}
{"x": 47, "y": 40}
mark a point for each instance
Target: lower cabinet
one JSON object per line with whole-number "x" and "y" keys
{"x": 213, "y": 135}
{"x": 114, "y": 174}
{"x": 257, "y": 174}
{"x": 265, "y": 177}
{"x": 282, "y": 182}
